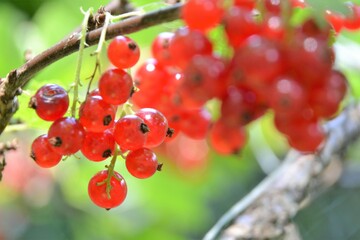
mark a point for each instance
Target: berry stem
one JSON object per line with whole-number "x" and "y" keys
{"x": 108, "y": 19}
{"x": 82, "y": 45}
{"x": 111, "y": 171}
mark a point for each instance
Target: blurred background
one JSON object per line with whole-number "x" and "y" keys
{"x": 181, "y": 202}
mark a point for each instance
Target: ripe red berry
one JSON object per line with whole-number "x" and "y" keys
{"x": 115, "y": 86}
{"x": 131, "y": 132}
{"x": 50, "y": 102}
{"x": 227, "y": 140}
{"x": 157, "y": 124}
{"x": 150, "y": 78}
{"x": 239, "y": 25}
{"x": 141, "y": 163}
{"x": 98, "y": 146}
{"x": 287, "y": 96}
{"x": 211, "y": 14}
{"x": 183, "y": 47}
{"x": 43, "y": 154}
{"x": 336, "y": 20}
{"x": 123, "y": 52}
{"x": 353, "y": 22}
{"x": 97, "y": 190}
{"x": 66, "y": 135}
{"x": 96, "y": 115}
{"x": 195, "y": 123}
{"x": 160, "y": 48}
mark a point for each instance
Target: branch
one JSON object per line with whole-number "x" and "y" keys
{"x": 266, "y": 212}
{"x": 11, "y": 86}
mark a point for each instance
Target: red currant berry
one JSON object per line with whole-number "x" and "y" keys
{"x": 97, "y": 190}
{"x": 141, "y": 163}
{"x": 66, "y": 135}
{"x": 187, "y": 43}
{"x": 195, "y": 123}
{"x": 160, "y": 48}
{"x": 157, "y": 124}
{"x": 123, "y": 52}
{"x": 131, "y": 132}
{"x": 211, "y": 14}
{"x": 115, "y": 86}
{"x": 43, "y": 154}
{"x": 96, "y": 115}
{"x": 98, "y": 146}
{"x": 287, "y": 96}
{"x": 151, "y": 79}
{"x": 239, "y": 25}
{"x": 353, "y": 22}
{"x": 336, "y": 20}
{"x": 50, "y": 102}
{"x": 227, "y": 140}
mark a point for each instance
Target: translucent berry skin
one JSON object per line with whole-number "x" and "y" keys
{"x": 151, "y": 79}
{"x": 130, "y": 132}
{"x": 157, "y": 124}
{"x": 141, "y": 163}
{"x": 50, "y": 102}
{"x": 123, "y": 52}
{"x": 239, "y": 25}
{"x": 66, "y": 135}
{"x": 98, "y": 146}
{"x": 182, "y": 47}
{"x": 97, "y": 190}
{"x": 195, "y": 123}
{"x": 160, "y": 48}
{"x": 43, "y": 154}
{"x": 96, "y": 115}
{"x": 115, "y": 86}
{"x": 227, "y": 140}
{"x": 211, "y": 14}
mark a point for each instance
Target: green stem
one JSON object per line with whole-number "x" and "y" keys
{"x": 111, "y": 172}
{"x": 84, "y": 26}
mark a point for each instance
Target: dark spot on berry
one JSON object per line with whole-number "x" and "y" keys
{"x": 106, "y": 153}
{"x": 170, "y": 132}
{"x": 144, "y": 128}
{"x": 196, "y": 78}
{"x": 107, "y": 209}
{"x": 133, "y": 90}
{"x": 107, "y": 120}
{"x": 132, "y": 46}
{"x": 32, "y": 155}
{"x": 55, "y": 141}
{"x": 159, "y": 167}
{"x": 33, "y": 103}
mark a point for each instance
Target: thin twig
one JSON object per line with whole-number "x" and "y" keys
{"x": 267, "y": 210}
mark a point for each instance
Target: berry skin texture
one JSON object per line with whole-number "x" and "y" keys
{"x": 66, "y": 135}
{"x": 160, "y": 48}
{"x": 211, "y": 14}
{"x": 157, "y": 124}
{"x": 141, "y": 163}
{"x": 130, "y": 132}
{"x": 98, "y": 146}
{"x": 97, "y": 190}
{"x": 227, "y": 140}
{"x": 182, "y": 47}
{"x": 96, "y": 115}
{"x": 123, "y": 52}
{"x": 43, "y": 154}
{"x": 50, "y": 102}
{"x": 115, "y": 86}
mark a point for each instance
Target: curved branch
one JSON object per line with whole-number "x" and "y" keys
{"x": 11, "y": 86}
{"x": 266, "y": 212}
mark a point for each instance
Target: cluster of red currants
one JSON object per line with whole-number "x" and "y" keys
{"x": 97, "y": 133}
{"x": 272, "y": 65}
